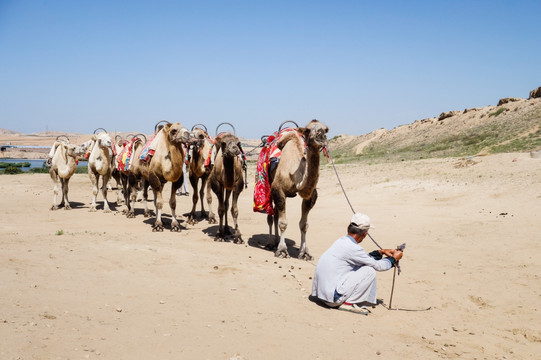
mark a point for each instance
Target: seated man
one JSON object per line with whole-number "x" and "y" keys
{"x": 345, "y": 274}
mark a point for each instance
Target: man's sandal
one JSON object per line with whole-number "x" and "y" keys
{"x": 354, "y": 308}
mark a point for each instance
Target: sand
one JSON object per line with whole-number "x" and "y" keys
{"x": 82, "y": 285}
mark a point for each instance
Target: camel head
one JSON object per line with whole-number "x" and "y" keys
{"x": 198, "y": 138}
{"x": 176, "y": 133}
{"x": 315, "y": 133}
{"x": 103, "y": 140}
{"x": 230, "y": 145}
{"x": 75, "y": 150}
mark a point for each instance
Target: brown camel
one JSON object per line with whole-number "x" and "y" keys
{"x": 166, "y": 165}
{"x": 297, "y": 172}
{"x": 131, "y": 174}
{"x": 199, "y": 167}
{"x": 226, "y": 177}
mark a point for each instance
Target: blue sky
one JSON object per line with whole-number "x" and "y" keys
{"x": 357, "y": 66}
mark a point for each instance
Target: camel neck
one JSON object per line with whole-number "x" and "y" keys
{"x": 229, "y": 171}
{"x": 311, "y": 177}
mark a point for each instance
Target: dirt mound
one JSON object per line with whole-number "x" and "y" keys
{"x": 512, "y": 126}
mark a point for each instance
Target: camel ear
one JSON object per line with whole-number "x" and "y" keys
{"x": 303, "y": 131}
{"x": 94, "y": 137}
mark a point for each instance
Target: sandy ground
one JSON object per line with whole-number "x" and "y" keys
{"x": 82, "y": 285}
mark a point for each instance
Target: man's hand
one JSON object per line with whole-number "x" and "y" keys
{"x": 386, "y": 252}
{"x": 397, "y": 254}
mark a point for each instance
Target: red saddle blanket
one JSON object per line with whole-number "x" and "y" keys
{"x": 124, "y": 157}
{"x": 262, "y": 190}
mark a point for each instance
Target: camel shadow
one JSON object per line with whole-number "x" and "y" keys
{"x": 259, "y": 241}
{"x": 75, "y": 205}
{"x": 166, "y": 221}
{"x": 212, "y": 232}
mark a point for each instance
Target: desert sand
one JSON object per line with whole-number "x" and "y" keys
{"x": 81, "y": 285}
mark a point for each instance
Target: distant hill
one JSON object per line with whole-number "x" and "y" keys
{"x": 514, "y": 125}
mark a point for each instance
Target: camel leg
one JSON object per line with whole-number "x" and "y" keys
{"x": 270, "y": 243}
{"x": 146, "y": 211}
{"x": 128, "y": 184}
{"x": 94, "y": 179}
{"x": 204, "y": 180}
{"x": 221, "y": 212}
{"x": 227, "y": 231}
{"x": 212, "y": 217}
{"x": 235, "y": 214}
{"x": 307, "y": 205}
{"x": 54, "y": 177}
{"x": 279, "y": 199}
{"x": 192, "y": 218}
{"x": 173, "y": 203}
{"x": 157, "y": 188}
{"x": 65, "y": 188}
{"x": 106, "y": 178}
{"x": 272, "y": 220}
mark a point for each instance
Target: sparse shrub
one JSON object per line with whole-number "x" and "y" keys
{"x": 12, "y": 170}
{"x": 59, "y": 232}
{"x": 498, "y": 112}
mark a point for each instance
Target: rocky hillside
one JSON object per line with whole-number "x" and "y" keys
{"x": 514, "y": 125}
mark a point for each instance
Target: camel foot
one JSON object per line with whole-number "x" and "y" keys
{"x": 238, "y": 240}
{"x": 175, "y": 227}
{"x": 130, "y": 214}
{"x": 67, "y": 207}
{"x": 146, "y": 214}
{"x": 157, "y": 227}
{"x": 212, "y": 220}
{"x": 92, "y": 209}
{"x": 54, "y": 207}
{"x": 306, "y": 257}
{"x": 192, "y": 220}
{"x": 219, "y": 237}
{"x": 107, "y": 210}
{"x": 282, "y": 254}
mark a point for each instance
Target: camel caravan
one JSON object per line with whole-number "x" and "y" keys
{"x": 287, "y": 166}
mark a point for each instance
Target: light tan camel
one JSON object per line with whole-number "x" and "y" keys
{"x": 296, "y": 173}
{"x": 166, "y": 165}
{"x": 100, "y": 164}
{"x": 226, "y": 177}
{"x": 63, "y": 163}
{"x": 199, "y": 167}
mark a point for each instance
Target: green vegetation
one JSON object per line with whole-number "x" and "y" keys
{"x": 59, "y": 232}
{"x": 44, "y": 169}
{"x": 12, "y": 170}
{"x": 497, "y": 112}
{"x": 4, "y": 165}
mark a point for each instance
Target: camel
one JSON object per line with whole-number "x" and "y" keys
{"x": 115, "y": 174}
{"x": 131, "y": 174}
{"x": 166, "y": 165}
{"x": 100, "y": 163}
{"x": 297, "y": 172}
{"x": 63, "y": 162}
{"x": 199, "y": 167}
{"x": 226, "y": 177}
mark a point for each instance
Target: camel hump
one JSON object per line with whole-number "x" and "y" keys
{"x": 290, "y": 136}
